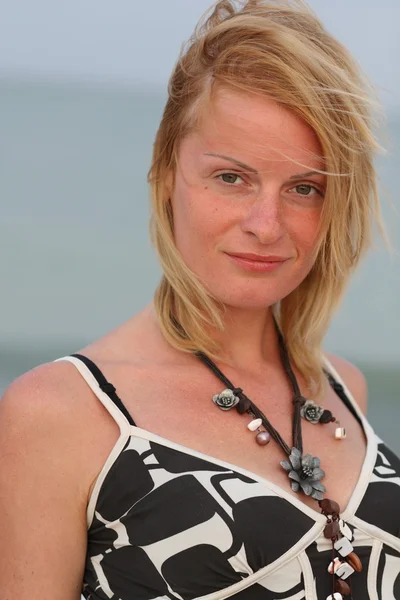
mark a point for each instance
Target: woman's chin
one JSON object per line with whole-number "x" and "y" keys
{"x": 255, "y": 293}
{"x": 248, "y": 302}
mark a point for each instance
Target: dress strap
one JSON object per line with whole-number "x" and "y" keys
{"x": 340, "y": 388}
{"x": 101, "y": 387}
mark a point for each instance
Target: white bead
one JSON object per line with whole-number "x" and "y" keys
{"x": 344, "y": 571}
{"x": 336, "y": 596}
{"x": 340, "y": 433}
{"x": 333, "y": 567}
{"x": 254, "y": 425}
{"x": 343, "y": 546}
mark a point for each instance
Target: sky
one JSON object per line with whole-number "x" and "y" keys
{"x": 138, "y": 40}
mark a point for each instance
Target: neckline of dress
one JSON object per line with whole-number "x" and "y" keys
{"x": 127, "y": 430}
{"x": 355, "y": 498}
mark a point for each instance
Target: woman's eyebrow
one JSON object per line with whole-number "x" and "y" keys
{"x": 252, "y": 170}
{"x": 234, "y": 161}
{"x": 307, "y": 174}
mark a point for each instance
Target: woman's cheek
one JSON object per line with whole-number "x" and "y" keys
{"x": 194, "y": 220}
{"x": 304, "y": 229}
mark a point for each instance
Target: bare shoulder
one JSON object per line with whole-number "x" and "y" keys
{"x": 40, "y": 401}
{"x": 354, "y": 379}
{"x": 43, "y": 385}
{"x": 47, "y": 397}
{"x": 51, "y": 404}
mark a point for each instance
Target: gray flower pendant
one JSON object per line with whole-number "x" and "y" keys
{"x": 311, "y": 412}
{"x": 226, "y": 400}
{"x": 305, "y": 474}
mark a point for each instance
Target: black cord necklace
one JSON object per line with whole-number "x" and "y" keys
{"x": 304, "y": 472}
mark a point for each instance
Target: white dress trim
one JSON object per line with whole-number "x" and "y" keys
{"x": 370, "y": 453}
{"x": 127, "y": 430}
{"x": 119, "y": 418}
{"x": 373, "y": 570}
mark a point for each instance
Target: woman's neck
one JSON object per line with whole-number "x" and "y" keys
{"x": 249, "y": 340}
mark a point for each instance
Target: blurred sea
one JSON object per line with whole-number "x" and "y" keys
{"x": 75, "y": 258}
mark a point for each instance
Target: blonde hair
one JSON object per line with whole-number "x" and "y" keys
{"x": 282, "y": 51}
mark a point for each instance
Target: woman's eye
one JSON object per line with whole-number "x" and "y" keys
{"x": 230, "y": 178}
{"x": 305, "y": 189}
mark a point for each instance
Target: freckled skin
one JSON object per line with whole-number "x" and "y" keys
{"x": 262, "y": 212}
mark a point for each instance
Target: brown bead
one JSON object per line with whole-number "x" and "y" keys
{"x": 342, "y": 587}
{"x": 331, "y": 529}
{"x": 329, "y": 507}
{"x": 354, "y": 561}
{"x": 326, "y": 417}
{"x": 243, "y": 405}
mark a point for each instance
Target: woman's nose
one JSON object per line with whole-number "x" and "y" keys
{"x": 264, "y": 219}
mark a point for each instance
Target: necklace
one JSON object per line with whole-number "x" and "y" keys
{"x": 304, "y": 472}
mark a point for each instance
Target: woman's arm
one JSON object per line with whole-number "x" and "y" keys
{"x": 43, "y": 487}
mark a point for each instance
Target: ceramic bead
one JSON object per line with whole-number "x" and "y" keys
{"x": 263, "y": 438}
{"x": 340, "y": 433}
{"x": 354, "y": 561}
{"x": 343, "y": 546}
{"x": 333, "y": 567}
{"x": 254, "y": 425}
{"x": 331, "y": 530}
{"x": 342, "y": 587}
{"x": 329, "y": 507}
{"x": 344, "y": 571}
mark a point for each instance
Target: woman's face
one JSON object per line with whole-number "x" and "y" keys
{"x": 247, "y": 200}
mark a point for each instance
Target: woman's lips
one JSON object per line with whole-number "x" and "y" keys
{"x": 257, "y": 263}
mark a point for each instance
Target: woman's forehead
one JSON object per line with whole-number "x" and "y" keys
{"x": 256, "y": 127}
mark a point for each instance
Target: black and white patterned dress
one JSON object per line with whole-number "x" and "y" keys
{"x": 167, "y": 522}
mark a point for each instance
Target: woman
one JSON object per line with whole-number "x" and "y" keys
{"x": 263, "y": 195}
